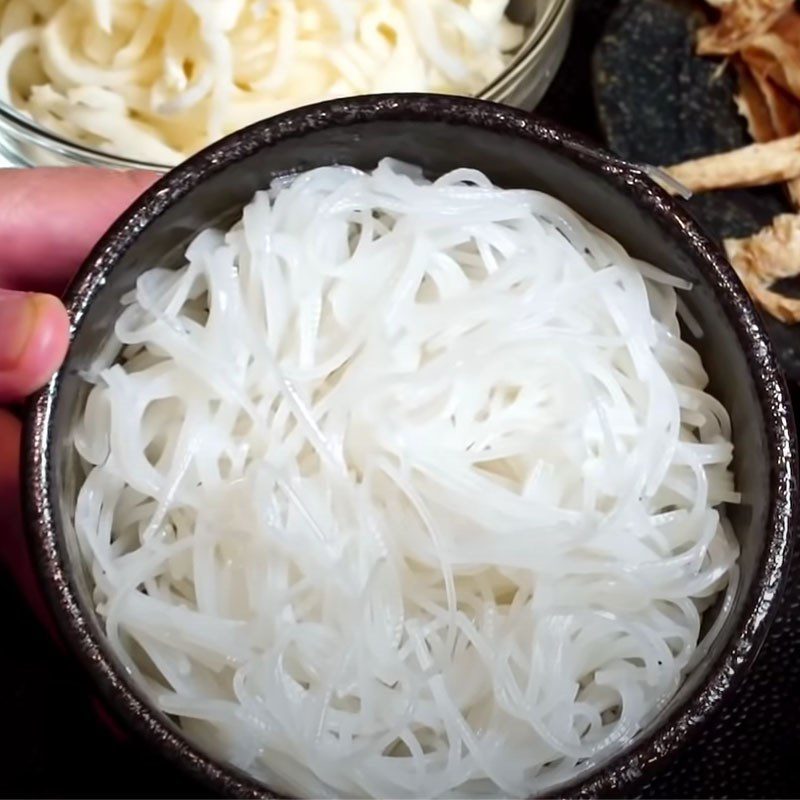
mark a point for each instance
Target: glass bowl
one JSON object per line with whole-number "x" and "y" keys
{"x": 24, "y": 143}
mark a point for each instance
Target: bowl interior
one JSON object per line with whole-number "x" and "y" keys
{"x": 510, "y": 161}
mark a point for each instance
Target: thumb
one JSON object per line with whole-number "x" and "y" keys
{"x": 34, "y": 334}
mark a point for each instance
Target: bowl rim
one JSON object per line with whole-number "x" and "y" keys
{"x": 544, "y": 28}
{"x": 646, "y": 754}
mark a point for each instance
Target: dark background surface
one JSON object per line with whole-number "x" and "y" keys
{"x": 56, "y": 746}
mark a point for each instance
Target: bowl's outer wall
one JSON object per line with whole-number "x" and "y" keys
{"x": 514, "y": 151}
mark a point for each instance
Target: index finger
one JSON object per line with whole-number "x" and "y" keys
{"x": 50, "y": 218}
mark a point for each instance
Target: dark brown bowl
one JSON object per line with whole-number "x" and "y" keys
{"x": 515, "y": 150}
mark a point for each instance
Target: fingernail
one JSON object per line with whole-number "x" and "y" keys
{"x": 17, "y": 323}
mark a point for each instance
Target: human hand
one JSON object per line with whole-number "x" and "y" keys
{"x": 49, "y": 221}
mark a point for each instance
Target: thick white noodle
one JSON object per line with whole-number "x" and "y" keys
{"x": 158, "y": 79}
{"x": 406, "y": 489}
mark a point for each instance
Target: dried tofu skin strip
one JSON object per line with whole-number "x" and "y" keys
{"x": 771, "y": 254}
{"x": 774, "y": 252}
{"x": 753, "y": 165}
{"x": 793, "y": 190}
{"x": 741, "y": 21}
{"x": 785, "y": 309}
{"x": 776, "y": 54}
{"x": 781, "y": 105}
{"x": 753, "y": 106}
{"x": 771, "y": 111}
{"x": 783, "y": 112}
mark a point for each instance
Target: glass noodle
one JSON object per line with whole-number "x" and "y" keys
{"x": 156, "y": 80}
{"x": 406, "y": 489}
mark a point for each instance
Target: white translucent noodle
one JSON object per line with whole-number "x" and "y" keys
{"x": 407, "y": 489}
{"x": 158, "y": 79}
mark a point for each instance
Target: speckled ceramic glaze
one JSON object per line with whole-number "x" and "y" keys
{"x": 515, "y": 150}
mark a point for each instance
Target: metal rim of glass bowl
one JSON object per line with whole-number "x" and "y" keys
{"x": 546, "y": 27}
